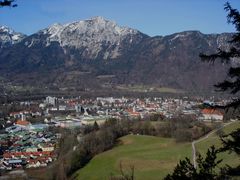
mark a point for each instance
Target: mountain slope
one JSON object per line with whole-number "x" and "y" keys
{"x": 173, "y": 61}
{"x": 98, "y": 54}
{"x": 92, "y": 39}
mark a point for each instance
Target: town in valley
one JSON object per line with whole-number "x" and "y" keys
{"x": 30, "y": 129}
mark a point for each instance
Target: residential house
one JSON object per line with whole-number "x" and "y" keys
{"x": 212, "y": 114}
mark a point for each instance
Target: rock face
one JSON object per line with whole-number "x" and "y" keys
{"x": 97, "y": 52}
{"x": 9, "y": 37}
{"x": 95, "y": 38}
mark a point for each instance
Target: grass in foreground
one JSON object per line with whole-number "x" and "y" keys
{"x": 152, "y": 158}
{"x": 230, "y": 159}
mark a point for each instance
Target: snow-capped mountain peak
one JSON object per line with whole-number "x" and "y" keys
{"x": 5, "y": 29}
{"x": 9, "y": 37}
{"x": 92, "y": 35}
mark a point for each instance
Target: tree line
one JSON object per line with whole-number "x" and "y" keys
{"x": 208, "y": 166}
{"x": 79, "y": 146}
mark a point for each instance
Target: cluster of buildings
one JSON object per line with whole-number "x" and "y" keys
{"x": 25, "y": 147}
{"x": 78, "y": 112}
{"x": 29, "y": 145}
{"x": 168, "y": 107}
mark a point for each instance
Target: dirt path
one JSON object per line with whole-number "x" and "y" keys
{"x": 201, "y": 139}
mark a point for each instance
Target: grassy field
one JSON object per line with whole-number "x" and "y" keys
{"x": 152, "y": 158}
{"x": 141, "y": 88}
{"x": 230, "y": 159}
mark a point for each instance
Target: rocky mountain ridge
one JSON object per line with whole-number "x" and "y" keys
{"x": 9, "y": 37}
{"x": 91, "y": 36}
{"x": 98, "y": 54}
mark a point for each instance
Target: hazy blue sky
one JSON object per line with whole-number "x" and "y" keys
{"x": 153, "y": 17}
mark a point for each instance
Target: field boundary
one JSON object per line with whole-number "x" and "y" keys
{"x": 204, "y": 138}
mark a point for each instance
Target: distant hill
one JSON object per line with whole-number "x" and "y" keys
{"x": 97, "y": 54}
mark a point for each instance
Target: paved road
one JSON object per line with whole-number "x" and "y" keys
{"x": 203, "y": 138}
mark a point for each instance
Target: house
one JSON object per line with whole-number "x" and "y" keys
{"x": 19, "y": 115}
{"x": 22, "y": 123}
{"x": 212, "y": 114}
{"x": 51, "y": 100}
{"x": 14, "y": 129}
{"x": 14, "y": 162}
{"x": 132, "y": 112}
{"x": 15, "y": 114}
{"x": 32, "y": 149}
{"x": 46, "y": 148}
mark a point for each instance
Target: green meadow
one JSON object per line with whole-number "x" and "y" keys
{"x": 152, "y": 157}
{"x": 231, "y": 159}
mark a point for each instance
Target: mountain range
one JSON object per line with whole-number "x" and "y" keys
{"x": 97, "y": 54}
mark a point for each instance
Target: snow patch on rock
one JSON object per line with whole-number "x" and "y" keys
{"x": 9, "y": 37}
{"x": 93, "y": 35}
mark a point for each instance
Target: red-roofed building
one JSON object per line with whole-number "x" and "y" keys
{"x": 22, "y": 123}
{"x": 212, "y": 114}
{"x": 133, "y": 113}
